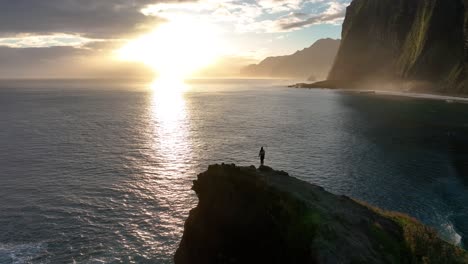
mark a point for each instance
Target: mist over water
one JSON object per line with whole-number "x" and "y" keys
{"x": 100, "y": 173}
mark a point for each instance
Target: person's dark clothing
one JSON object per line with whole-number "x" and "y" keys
{"x": 262, "y": 155}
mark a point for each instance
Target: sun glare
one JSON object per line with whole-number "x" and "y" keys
{"x": 175, "y": 49}
{"x": 161, "y": 87}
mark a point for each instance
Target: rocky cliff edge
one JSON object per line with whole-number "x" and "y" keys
{"x": 249, "y": 215}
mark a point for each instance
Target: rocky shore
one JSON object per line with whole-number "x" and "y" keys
{"x": 249, "y": 215}
{"x": 319, "y": 85}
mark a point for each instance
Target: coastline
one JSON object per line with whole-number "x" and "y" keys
{"x": 415, "y": 95}
{"x": 449, "y": 98}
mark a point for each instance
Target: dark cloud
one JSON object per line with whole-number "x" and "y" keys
{"x": 32, "y": 62}
{"x": 299, "y": 14}
{"x": 312, "y": 20}
{"x": 91, "y": 18}
{"x": 65, "y": 62}
{"x": 107, "y": 45}
{"x": 19, "y": 56}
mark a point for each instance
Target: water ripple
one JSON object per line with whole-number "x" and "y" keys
{"x": 104, "y": 176}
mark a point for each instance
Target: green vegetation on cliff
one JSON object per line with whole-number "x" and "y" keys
{"x": 245, "y": 215}
{"x": 404, "y": 40}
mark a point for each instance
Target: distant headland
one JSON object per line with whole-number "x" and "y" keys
{"x": 312, "y": 63}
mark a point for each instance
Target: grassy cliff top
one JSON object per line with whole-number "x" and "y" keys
{"x": 249, "y": 215}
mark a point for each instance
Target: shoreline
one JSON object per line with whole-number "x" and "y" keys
{"x": 415, "y": 95}
{"x": 449, "y": 98}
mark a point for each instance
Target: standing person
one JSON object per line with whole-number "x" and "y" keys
{"x": 262, "y": 155}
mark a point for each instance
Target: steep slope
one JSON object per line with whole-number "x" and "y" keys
{"x": 314, "y": 61}
{"x": 245, "y": 215}
{"x": 408, "y": 40}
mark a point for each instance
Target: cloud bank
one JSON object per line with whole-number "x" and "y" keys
{"x": 88, "y": 18}
{"x": 57, "y": 37}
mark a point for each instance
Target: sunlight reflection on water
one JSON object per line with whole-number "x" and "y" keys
{"x": 104, "y": 175}
{"x": 170, "y": 127}
{"x": 165, "y": 173}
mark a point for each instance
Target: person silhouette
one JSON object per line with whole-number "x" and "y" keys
{"x": 262, "y": 156}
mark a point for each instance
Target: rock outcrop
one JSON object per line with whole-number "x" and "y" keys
{"x": 248, "y": 215}
{"x": 310, "y": 63}
{"x": 419, "y": 41}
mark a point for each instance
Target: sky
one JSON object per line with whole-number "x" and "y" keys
{"x": 134, "y": 38}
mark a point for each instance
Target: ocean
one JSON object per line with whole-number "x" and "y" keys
{"x": 101, "y": 171}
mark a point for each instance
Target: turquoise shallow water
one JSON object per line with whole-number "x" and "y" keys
{"x": 100, "y": 172}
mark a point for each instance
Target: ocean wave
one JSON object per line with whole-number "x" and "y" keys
{"x": 450, "y": 234}
{"x": 22, "y": 253}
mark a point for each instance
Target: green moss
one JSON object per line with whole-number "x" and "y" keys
{"x": 353, "y": 11}
{"x": 416, "y": 40}
{"x": 421, "y": 242}
{"x": 391, "y": 247}
{"x": 299, "y": 223}
{"x": 422, "y": 41}
{"x": 244, "y": 212}
{"x": 456, "y": 79}
{"x": 311, "y": 219}
{"x": 425, "y": 245}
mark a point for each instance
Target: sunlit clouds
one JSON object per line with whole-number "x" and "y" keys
{"x": 190, "y": 39}
{"x": 264, "y": 16}
{"x": 42, "y": 41}
{"x": 177, "y": 48}
{"x": 173, "y": 38}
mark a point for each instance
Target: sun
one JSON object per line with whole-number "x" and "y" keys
{"x": 175, "y": 49}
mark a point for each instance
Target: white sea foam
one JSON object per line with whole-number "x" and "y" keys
{"x": 450, "y": 234}
{"x": 447, "y": 98}
{"x": 21, "y": 253}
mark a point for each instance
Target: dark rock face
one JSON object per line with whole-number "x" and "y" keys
{"x": 241, "y": 221}
{"x": 459, "y": 151}
{"x": 247, "y": 216}
{"x": 411, "y": 40}
{"x": 314, "y": 61}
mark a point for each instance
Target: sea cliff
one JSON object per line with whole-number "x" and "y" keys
{"x": 413, "y": 44}
{"x": 249, "y": 215}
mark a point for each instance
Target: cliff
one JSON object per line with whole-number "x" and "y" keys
{"x": 420, "y": 41}
{"x": 245, "y": 215}
{"x": 313, "y": 62}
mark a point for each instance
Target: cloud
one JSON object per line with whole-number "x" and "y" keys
{"x": 276, "y": 6}
{"x": 335, "y": 13}
{"x": 42, "y": 41}
{"x": 110, "y": 19}
{"x": 66, "y": 62}
{"x": 30, "y": 62}
{"x": 320, "y": 19}
{"x": 263, "y": 16}
{"x": 89, "y": 18}
{"x": 69, "y": 38}
{"x": 226, "y": 67}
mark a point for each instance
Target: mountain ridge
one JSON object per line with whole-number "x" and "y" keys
{"x": 312, "y": 62}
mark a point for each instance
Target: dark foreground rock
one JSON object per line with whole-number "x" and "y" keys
{"x": 247, "y": 215}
